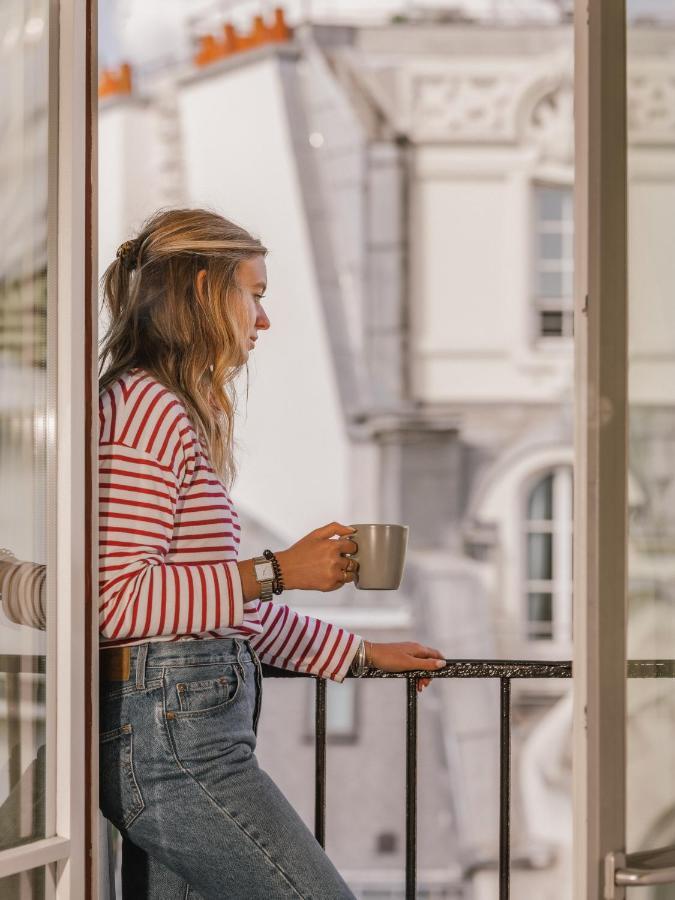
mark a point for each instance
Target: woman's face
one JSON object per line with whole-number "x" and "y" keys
{"x": 252, "y": 280}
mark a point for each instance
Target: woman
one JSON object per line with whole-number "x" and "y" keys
{"x": 183, "y": 622}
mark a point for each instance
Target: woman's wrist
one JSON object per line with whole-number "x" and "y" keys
{"x": 286, "y": 569}
{"x": 279, "y": 583}
{"x": 250, "y": 586}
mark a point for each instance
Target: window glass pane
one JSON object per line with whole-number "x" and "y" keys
{"x": 540, "y": 504}
{"x": 550, "y": 203}
{"x": 552, "y": 324}
{"x": 540, "y": 614}
{"x": 550, "y": 284}
{"x": 24, "y": 886}
{"x": 540, "y": 557}
{"x": 23, "y": 422}
{"x": 554, "y": 261}
{"x": 551, "y": 246}
{"x": 650, "y": 702}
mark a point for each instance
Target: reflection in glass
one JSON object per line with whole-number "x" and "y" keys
{"x": 24, "y": 886}
{"x": 23, "y": 434}
{"x": 650, "y": 725}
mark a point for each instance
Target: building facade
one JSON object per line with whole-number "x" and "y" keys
{"x": 414, "y": 184}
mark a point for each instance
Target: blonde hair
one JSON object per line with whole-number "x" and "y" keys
{"x": 192, "y": 340}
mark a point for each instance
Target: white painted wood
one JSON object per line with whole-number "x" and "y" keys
{"x": 30, "y": 856}
{"x": 601, "y": 442}
{"x": 71, "y": 442}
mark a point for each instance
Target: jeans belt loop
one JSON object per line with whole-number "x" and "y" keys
{"x": 240, "y": 646}
{"x": 140, "y": 666}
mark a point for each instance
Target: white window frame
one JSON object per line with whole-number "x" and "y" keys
{"x": 69, "y": 852}
{"x": 560, "y": 526}
{"x": 564, "y": 305}
{"x": 601, "y": 459}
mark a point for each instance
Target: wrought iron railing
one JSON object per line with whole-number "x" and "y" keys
{"x": 12, "y": 667}
{"x": 503, "y": 670}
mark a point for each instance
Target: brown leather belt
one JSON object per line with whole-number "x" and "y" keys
{"x": 114, "y": 663}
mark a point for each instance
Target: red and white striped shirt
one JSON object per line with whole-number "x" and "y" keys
{"x": 169, "y": 538}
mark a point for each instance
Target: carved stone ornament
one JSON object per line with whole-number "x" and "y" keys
{"x": 651, "y": 104}
{"x": 549, "y": 124}
{"x": 459, "y": 104}
{"x": 464, "y": 105}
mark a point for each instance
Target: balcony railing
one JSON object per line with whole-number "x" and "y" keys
{"x": 504, "y": 670}
{"x": 14, "y": 667}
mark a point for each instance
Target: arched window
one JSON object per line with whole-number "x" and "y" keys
{"x": 548, "y": 556}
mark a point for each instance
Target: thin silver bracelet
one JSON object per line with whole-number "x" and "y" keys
{"x": 358, "y": 666}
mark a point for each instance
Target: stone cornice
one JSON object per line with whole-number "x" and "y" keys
{"x": 483, "y": 101}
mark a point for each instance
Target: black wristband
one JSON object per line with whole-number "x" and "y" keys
{"x": 278, "y": 584}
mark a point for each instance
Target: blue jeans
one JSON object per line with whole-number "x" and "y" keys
{"x": 180, "y": 780}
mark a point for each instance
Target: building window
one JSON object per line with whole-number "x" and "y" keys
{"x": 554, "y": 262}
{"x": 340, "y": 711}
{"x": 548, "y": 556}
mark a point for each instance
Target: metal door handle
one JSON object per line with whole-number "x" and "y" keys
{"x": 638, "y": 869}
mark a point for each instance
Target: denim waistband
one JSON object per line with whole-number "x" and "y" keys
{"x": 192, "y": 652}
{"x": 167, "y": 654}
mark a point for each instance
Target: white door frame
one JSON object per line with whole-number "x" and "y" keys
{"x": 600, "y": 528}
{"x": 72, "y": 763}
{"x": 77, "y": 619}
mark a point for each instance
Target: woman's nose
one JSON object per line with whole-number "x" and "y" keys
{"x": 262, "y": 322}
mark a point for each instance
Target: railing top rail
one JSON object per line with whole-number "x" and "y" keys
{"x": 454, "y": 668}
{"x": 504, "y": 668}
{"x": 466, "y": 668}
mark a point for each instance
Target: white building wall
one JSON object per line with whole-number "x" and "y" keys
{"x": 474, "y": 355}
{"x": 651, "y": 277}
{"x": 128, "y": 171}
{"x": 471, "y": 307}
{"x": 293, "y": 446}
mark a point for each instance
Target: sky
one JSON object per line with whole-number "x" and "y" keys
{"x": 155, "y": 31}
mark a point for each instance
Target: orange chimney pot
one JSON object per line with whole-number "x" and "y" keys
{"x": 113, "y": 82}
{"x": 259, "y": 34}
{"x": 209, "y": 51}
{"x": 279, "y": 31}
{"x": 230, "y": 38}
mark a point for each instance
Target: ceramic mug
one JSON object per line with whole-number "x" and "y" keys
{"x": 380, "y": 555}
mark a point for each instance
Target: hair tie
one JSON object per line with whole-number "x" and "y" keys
{"x": 127, "y": 254}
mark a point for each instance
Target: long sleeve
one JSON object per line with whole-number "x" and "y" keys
{"x": 22, "y": 588}
{"x": 143, "y": 595}
{"x": 290, "y": 640}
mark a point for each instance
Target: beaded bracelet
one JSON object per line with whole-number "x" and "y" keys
{"x": 278, "y": 584}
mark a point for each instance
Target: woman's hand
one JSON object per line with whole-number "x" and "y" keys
{"x": 404, "y": 657}
{"x": 316, "y": 562}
